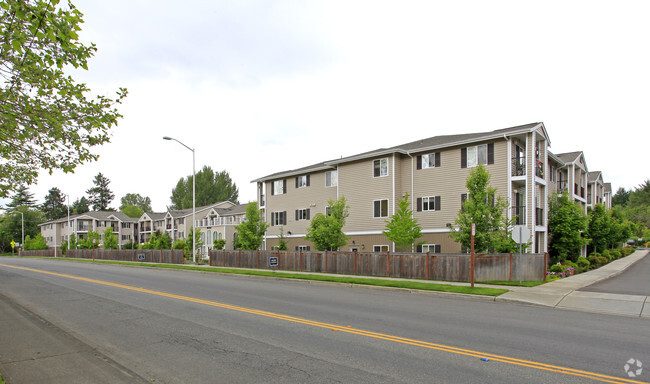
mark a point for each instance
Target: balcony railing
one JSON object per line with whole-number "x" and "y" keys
{"x": 539, "y": 169}
{"x": 145, "y": 229}
{"x": 562, "y": 186}
{"x": 83, "y": 228}
{"x": 539, "y": 216}
{"x": 518, "y": 166}
{"x": 519, "y": 215}
{"x": 219, "y": 221}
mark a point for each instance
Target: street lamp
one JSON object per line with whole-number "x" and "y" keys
{"x": 22, "y": 245}
{"x": 68, "y": 204}
{"x": 193, "y": 197}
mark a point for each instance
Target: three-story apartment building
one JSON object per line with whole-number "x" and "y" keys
{"x": 57, "y": 231}
{"x": 431, "y": 171}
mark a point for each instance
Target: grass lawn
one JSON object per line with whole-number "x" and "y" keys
{"x": 407, "y": 284}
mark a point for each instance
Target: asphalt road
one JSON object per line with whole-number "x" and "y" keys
{"x": 168, "y": 326}
{"x": 633, "y": 281}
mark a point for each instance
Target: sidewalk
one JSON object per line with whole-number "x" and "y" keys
{"x": 564, "y": 293}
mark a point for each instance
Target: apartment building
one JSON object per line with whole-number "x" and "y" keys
{"x": 57, "y": 231}
{"x": 431, "y": 171}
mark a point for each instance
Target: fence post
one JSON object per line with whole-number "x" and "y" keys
{"x": 427, "y": 265}
{"x": 239, "y": 259}
{"x": 388, "y": 264}
{"x": 161, "y": 256}
{"x": 300, "y": 265}
{"x": 545, "y": 264}
{"x": 325, "y": 261}
{"x": 258, "y": 259}
{"x": 355, "y": 262}
{"x": 510, "y": 269}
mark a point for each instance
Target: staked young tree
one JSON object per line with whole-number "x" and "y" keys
{"x": 251, "y": 231}
{"x": 485, "y": 209}
{"x": 53, "y": 206}
{"x": 49, "y": 121}
{"x": 100, "y": 196}
{"x": 110, "y": 240}
{"x": 211, "y": 188}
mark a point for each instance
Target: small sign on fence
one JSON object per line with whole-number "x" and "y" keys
{"x": 273, "y": 261}
{"x": 141, "y": 256}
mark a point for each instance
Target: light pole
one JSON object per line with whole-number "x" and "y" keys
{"x": 22, "y": 245}
{"x": 193, "y": 197}
{"x": 68, "y": 204}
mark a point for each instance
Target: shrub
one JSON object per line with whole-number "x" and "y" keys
{"x": 583, "y": 264}
{"x": 607, "y": 255}
{"x": 593, "y": 260}
{"x": 556, "y": 268}
{"x": 615, "y": 253}
{"x": 603, "y": 260}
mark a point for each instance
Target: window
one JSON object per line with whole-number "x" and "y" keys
{"x": 430, "y": 160}
{"x": 302, "y": 248}
{"x": 331, "y": 178}
{"x": 429, "y": 203}
{"x": 302, "y": 181}
{"x": 380, "y": 208}
{"x": 279, "y": 187}
{"x": 302, "y": 214}
{"x": 278, "y": 218}
{"x": 380, "y": 248}
{"x": 432, "y": 248}
{"x": 126, "y": 237}
{"x": 478, "y": 154}
{"x": 380, "y": 167}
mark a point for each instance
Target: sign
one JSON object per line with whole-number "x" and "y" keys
{"x": 273, "y": 261}
{"x": 520, "y": 234}
{"x": 13, "y": 244}
{"x": 140, "y": 256}
{"x": 473, "y": 229}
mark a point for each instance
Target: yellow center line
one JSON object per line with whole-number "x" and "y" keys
{"x": 361, "y": 332}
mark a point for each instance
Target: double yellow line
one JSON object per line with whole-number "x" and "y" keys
{"x": 361, "y": 332}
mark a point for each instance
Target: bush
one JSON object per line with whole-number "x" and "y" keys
{"x": 603, "y": 260}
{"x": 607, "y": 255}
{"x": 583, "y": 264}
{"x": 555, "y": 268}
{"x": 615, "y": 253}
{"x": 593, "y": 260}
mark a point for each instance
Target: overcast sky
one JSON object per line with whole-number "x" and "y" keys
{"x": 258, "y": 87}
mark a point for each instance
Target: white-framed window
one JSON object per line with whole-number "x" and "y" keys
{"x": 331, "y": 178}
{"x": 380, "y": 208}
{"x": 432, "y": 248}
{"x": 278, "y": 218}
{"x": 380, "y": 248}
{"x": 302, "y": 181}
{"x": 302, "y": 214}
{"x": 380, "y": 167}
{"x": 429, "y": 203}
{"x": 430, "y": 160}
{"x": 278, "y": 187}
{"x": 476, "y": 155}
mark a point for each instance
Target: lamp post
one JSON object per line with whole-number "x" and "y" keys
{"x": 68, "y": 205}
{"x": 22, "y": 228}
{"x": 193, "y": 197}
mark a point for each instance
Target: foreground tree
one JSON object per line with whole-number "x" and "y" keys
{"x": 134, "y": 199}
{"x": 483, "y": 208}
{"x": 48, "y": 120}
{"x": 91, "y": 241}
{"x": 35, "y": 244}
{"x": 326, "y": 231}
{"x": 598, "y": 228}
{"x": 54, "y": 206}
{"x": 100, "y": 196}
{"x": 211, "y": 188}
{"x": 251, "y": 231}
{"x": 403, "y": 229}
{"x": 566, "y": 223}
{"x": 110, "y": 240}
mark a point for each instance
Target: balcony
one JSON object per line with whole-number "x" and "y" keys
{"x": 519, "y": 215}
{"x": 518, "y": 166}
{"x": 83, "y": 228}
{"x": 169, "y": 226}
{"x": 145, "y": 229}
{"x": 539, "y": 169}
{"x": 219, "y": 221}
{"x": 562, "y": 187}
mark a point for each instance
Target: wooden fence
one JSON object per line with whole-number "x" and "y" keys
{"x": 426, "y": 266}
{"x": 176, "y": 256}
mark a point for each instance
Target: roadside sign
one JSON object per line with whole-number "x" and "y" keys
{"x": 273, "y": 261}
{"x": 520, "y": 234}
{"x": 473, "y": 229}
{"x": 13, "y": 244}
{"x": 140, "y": 256}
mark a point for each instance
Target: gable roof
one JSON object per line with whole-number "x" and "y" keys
{"x": 95, "y": 215}
{"x": 569, "y": 157}
{"x": 593, "y": 177}
{"x": 608, "y": 187}
{"x": 432, "y": 143}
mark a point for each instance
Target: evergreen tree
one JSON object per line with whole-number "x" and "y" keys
{"x": 251, "y": 231}
{"x": 81, "y": 205}
{"x": 22, "y": 198}
{"x": 100, "y": 196}
{"x": 134, "y": 199}
{"x": 621, "y": 197}
{"x": 54, "y": 207}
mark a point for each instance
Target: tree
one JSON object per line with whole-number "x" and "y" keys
{"x": 566, "y": 223}
{"x": 188, "y": 241}
{"x": 403, "y": 229}
{"x": 211, "y": 188}
{"x": 91, "y": 241}
{"x": 621, "y": 197}
{"x": 49, "y": 121}
{"x": 598, "y": 228}
{"x": 100, "y": 196}
{"x": 110, "y": 239}
{"x": 36, "y": 243}
{"x": 638, "y": 206}
{"x": 22, "y": 198}
{"x": 484, "y": 209}
{"x": 54, "y": 207}
{"x": 282, "y": 241}
{"x": 131, "y": 211}
{"x": 11, "y": 224}
{"x": 326, "y": 231}
{"x": 218, "y": 244}
{"x": 134, "y": 199}
{"x": 251, "y": 230}
{"x": 81, "y": 205}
